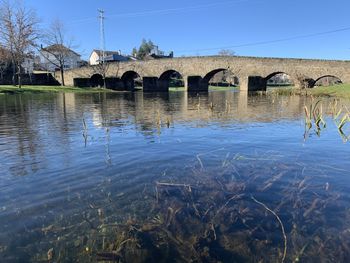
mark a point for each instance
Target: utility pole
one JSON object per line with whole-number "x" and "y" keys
{"x": 102, "y": 45}
{"x": 102, "y": 33}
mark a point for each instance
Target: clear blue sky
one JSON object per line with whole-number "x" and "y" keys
{"x": 190, "y": 27}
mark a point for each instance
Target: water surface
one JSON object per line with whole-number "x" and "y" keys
{"x": 171, "y": 178}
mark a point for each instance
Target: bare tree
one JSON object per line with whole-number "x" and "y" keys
{"x": 18, "y": 32}
{"x": 59, "y": 48}
{"x": 102, "y": 69}
{"x": 226, "y": 53}
{"x": 5, "y": 61}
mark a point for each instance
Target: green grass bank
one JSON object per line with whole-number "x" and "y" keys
{"x": 48, "y": 89}
{"x": 219, "y": 88}
{"x": 341, "y": 91}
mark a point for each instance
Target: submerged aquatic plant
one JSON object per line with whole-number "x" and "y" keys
{"x": 281, "y": 224}
{"x": 240, "y": 209}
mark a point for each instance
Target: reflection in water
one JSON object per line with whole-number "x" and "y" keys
{"x": 136, "y": 177}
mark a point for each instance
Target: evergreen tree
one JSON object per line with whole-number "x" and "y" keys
{"x": 145, "y": 49}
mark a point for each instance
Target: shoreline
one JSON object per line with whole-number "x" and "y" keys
{"x": 8, "y": 89}
{"x": 341, "y": 90}
{"x": 336, "y": 91}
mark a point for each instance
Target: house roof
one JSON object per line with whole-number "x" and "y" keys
{"x": 56, "y": 47}
{"x": 154, "y": 56}
{"x": 115, "y": 57}
{"x": 107, "y": 53}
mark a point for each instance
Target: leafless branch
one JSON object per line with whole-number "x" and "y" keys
{"x": 59, "y": 48}
{"x": 18, "y": 32}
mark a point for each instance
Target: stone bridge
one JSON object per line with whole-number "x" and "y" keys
{"x": 252, "y": 72}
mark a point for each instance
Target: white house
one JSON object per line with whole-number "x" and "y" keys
{"x": 110, "y": 56}
{"x": 28, "y": 65}
{"x": 49, "y": 58}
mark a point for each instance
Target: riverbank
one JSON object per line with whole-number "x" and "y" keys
{"x": 48, "y": 89}
{"x": 341, "y": 91}
{"x": 211, "y": 88}
{"x": 56, "y": 89}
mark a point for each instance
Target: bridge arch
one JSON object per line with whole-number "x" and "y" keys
{"x": 212, "y": 73}
{"x": 131, "y": 79}
{"x": 171, "y": 78}
{"x": 226, "y": 78}
{"x": 96, "y": 80}
{"x": 327, "y": 80}
{"x": 279, "y": 79}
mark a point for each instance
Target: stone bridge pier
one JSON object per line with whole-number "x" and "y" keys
{"x": 248, "y": 83}
{"x": 153, "y": 84}
{"x": 253, "y": 83}
{"x": 198, "y": 84}
{"x": 191, "y": 83}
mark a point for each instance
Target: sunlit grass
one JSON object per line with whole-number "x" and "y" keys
{"x": 177, "y": 89}
{"x": 7, "y": 89}
{"x": 341, "y": 91}
{"x": 213, "y": 88}
{"x": 223, "y": 88}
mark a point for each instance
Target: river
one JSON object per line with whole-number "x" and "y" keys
{"x": 173, "y": 177}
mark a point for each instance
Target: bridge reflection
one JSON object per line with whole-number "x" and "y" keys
{"x": 32, "y": 125}
{"x": 151, "y": 110}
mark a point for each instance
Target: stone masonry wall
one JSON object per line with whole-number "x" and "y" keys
{"x": 242, "y": 67}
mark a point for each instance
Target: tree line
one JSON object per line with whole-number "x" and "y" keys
{"x": 20, "y": 35}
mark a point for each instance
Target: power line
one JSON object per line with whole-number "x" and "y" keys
{"x": 188, "y": 8}
{"x": 270, "y": 41}
{"x": 166, "y": 11}
{"x": 179, "y": 9}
